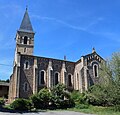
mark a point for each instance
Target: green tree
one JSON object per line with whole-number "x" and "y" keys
{"x": 42, "y": 99}
{"x": 61, "y": 98}
{"x": 107, "y": 91}
{"x": 111, "y": 75}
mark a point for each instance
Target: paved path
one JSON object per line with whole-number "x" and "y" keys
{"x": 47, "y": 113}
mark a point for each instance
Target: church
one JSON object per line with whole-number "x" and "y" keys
{"x": 32, "y": 73}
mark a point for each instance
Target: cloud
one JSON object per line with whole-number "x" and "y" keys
{"x": 94, "y": 22}
{"x": 59, "y": 21}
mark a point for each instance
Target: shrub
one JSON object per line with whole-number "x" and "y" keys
{"x": 44, "y": 96}
{"x": 42, "y": 99}
{"x": 98, "y": 95}
{"x": 57, "y": 98}
{"x": 75, "y": 95}
{"x": 79, "y": 98}
{"x": 2, "y": 102}
{"x": 69, "y": 103}
{"x": 61, "y": 99}
{"x": 36, "y": 101}
{"x": 21, "y": 104}
{"x": 116, "y": 108}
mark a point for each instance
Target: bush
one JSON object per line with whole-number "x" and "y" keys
{"x": 98, "y": 95}
{"x": 42, "y": 99}
{"x": 2, "y": 102}
{"x": 36, "y": 101}
{"x": 58, "y": 98}
{"x": 116, "y": 108}
{"x": 63, "y": 104}
{"x": 21, "y": 104}
{"x": 75, "y": 95}
{"x": 69, "y": 103}
{"x": 79, "y": 98}
{"x": 61, "y": 99}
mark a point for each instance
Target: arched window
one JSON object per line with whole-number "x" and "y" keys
{"x": 95, "y": 70}
{"x": 25, "y": 39}
{"x": 69, "y": 80}
{"x": 26, "y": 87}
{"x": 26, "y": 65}
{"x": 51, "y": 73}
{"x": 42, "y": 77}
{"x": 65, "y": 78}
{"x": 56, "y": 79}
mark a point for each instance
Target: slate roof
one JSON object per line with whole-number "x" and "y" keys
{"x": 26, "y": 23}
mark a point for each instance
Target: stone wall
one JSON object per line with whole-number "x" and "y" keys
{"x": 26, "y": 76}
{"x": 82, "y": 75}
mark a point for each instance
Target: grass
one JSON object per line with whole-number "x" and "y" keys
{"x": 97, "y": 110}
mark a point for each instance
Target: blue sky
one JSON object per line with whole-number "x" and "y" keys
{"x": 62, "y": 27}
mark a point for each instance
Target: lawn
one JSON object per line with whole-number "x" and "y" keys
{"x": 97, "y": 110}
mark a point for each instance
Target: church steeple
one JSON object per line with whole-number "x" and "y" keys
{"x": 26, "y": 23}
{"x": 25, "y": 36}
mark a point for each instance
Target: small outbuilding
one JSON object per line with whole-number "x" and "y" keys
{"x": 4, "y": 89}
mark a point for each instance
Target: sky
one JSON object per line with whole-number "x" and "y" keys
{"x": 62, "y": 27}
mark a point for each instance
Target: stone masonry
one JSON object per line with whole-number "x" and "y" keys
{"x": 31, "y": 73}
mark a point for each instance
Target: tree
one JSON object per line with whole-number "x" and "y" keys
{"x": 55, "y": 98}
{"x": 41, "y": 99}
{"x": 111, "y": 75}
{"x": 107, "y": 91}
{"x": 61, "y": 98}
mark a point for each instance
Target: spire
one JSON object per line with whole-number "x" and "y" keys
{"x": 26, "y": 23}
{"x": 93, "y": 50}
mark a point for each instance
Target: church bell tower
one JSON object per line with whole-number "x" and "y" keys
{"x": 25, "y": 36}
{"x": 24, "y": 46}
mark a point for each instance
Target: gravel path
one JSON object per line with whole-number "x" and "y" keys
{"x": 47, "y": 113}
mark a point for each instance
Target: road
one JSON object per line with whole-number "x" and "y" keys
{"x": 46, "y": 113}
